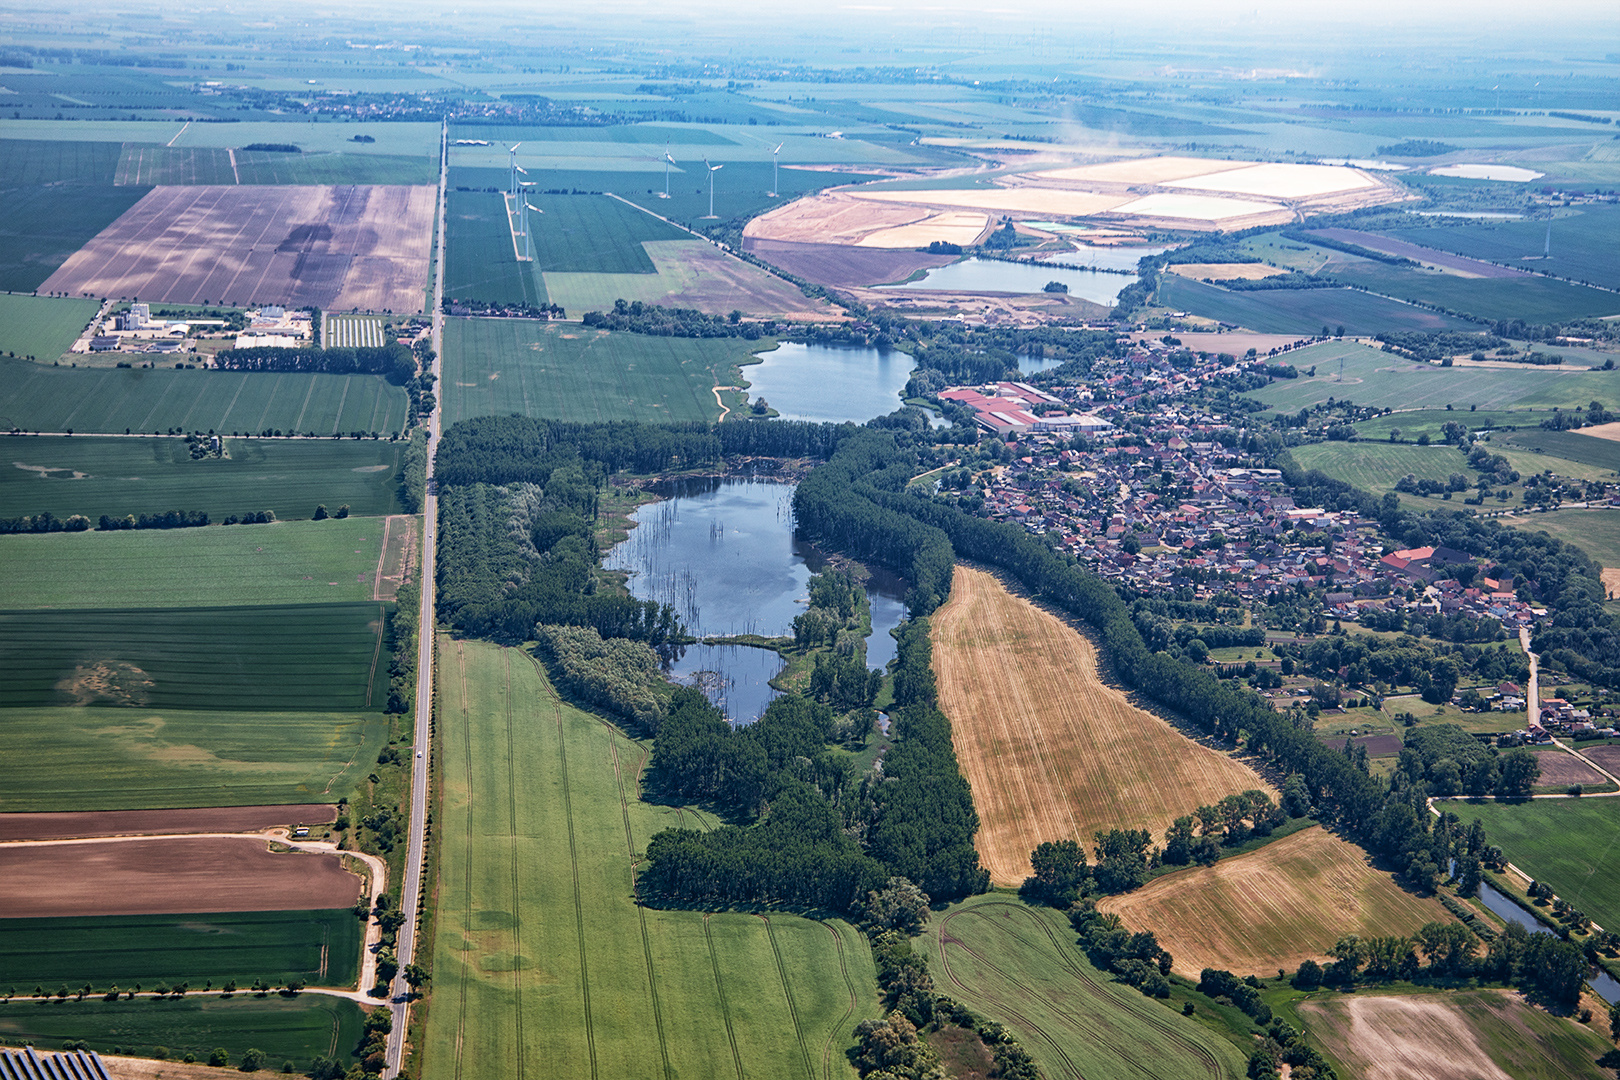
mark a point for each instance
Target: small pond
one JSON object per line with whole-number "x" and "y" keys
{"x": 829, "y": 383}
{"x": 990, "y": 275}
{"x": 724, "y": 555}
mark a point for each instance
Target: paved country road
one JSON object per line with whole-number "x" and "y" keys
{"x": 411, "y": 893}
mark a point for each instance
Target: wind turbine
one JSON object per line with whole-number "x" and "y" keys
{"x": 712, "y": 170}
{"x": 776, "y": 168}
{"x": 520, "y": 204}
{"x": 668, "y": 161}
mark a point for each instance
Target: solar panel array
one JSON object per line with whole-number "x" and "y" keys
{"x": 25, "y": 1064}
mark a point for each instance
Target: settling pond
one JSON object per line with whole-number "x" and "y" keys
{"x": 724, "y": 555}
{"x": 829, "y": 383}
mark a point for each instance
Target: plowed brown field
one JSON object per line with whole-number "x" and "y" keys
{"x": 1051, "y": 751}
{"x": 161, "y": 875}
{"x": 65, "y": 824}
{"x": 1272, "y": 908}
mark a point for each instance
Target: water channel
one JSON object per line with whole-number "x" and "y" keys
{"x": 724, "y": 555}
{"x": 829, "y": 383}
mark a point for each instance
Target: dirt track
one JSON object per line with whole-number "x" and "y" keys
{"x": 1051, "y": 751}
{"x": 208, "y": 819}
{"x": 167, "y": 876}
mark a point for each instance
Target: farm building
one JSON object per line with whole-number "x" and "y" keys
{"x": 1008, "y": 408}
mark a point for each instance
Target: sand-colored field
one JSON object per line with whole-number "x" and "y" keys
{"x": 1022, "y": 200}
{"x": 1051, "y": 751}
{"x": 1235, "y": 344}
{"x": 1226, "y": 271}
{"x": 1611, "y": 581}
{"x": 1156, "y": 170}
{"x": 1602, "y": 431}
{"x": 207, "y": 819}
{"x": 1273, "y": 908}
{"x": 1472, "y": 1035}
{"x": 159, "y": 876}
{"x": 362, "y": 247}
{"x": 1194, "y": 207}
{"x": 1280, "y": 180}
{"x": 952, "y": 227}
{"x": 830, "y": 219}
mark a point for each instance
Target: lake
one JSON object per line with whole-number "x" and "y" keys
{"x": 1105, "y": 258}
{"x": 724, "y": 555}
{"x": 829, "y": 383}
{"x": 991, "y": 275}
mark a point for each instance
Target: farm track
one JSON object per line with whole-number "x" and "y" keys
{"x": 787, "y": 990}
{"x": 579, "y": 905}
{"x": 843, "y": 1021}
{"x": 720, "y": 989}
{"x": 516, "y": 858}
{"x": 467, "y": 881}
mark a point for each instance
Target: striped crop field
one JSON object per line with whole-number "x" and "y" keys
{"x": 354, "y": 332}
{"x": 1273, "y": 908}
{"x": 1051, "y": 751}
{"x": 543, "y": 965}
{"x": 1018, "y": 965}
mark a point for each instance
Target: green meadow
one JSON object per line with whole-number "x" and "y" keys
{"x": 86, "y": 758}
{"x": 285, "y": 562}
{"x": 318, "y": 948}
{"x": 494, "y": 366}
{"x": 543, "y": 962}
{"x": 42, "y": 327}
{"x": 87, "y": 475}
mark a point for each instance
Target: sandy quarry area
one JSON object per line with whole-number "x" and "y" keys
{"x": 1148, "y": 171}
{"x": 830, "y": 219}
{"x": 961, "y": 227}
{"x": 1022, "y": 200}
{"x": 1165, "y": 204}
{"x": 1225, "y": 271}
{"x": 1280, "y": 180}
{"x": 157, "y": 876}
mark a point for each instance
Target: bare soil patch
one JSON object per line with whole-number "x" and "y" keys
{"x": 830, "y": 219}
{"x": 1051, "y": 751}
{"x": 962, "y": 227}
{"x": 212, "y": 819}
{"x": 1561, "y": 769}
{"x": 343, "y": 247}
{"x": 1605, "y": 754}
{"x": 168, "y": 876}
{"x": 1377, "y": 745}
{"x": 843, "y": 267}
{"x": 1226, "y": 271}
{"x": 1273, "y": 908}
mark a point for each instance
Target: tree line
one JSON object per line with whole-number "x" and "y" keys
{"x": 393, "y": 361}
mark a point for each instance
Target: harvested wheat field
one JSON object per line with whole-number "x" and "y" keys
{"x": 1051, "y": 751}
{"x": 1475, "y": 1035}
{"x": 1226, "y": 271}
{"x": 1273, "y": 908}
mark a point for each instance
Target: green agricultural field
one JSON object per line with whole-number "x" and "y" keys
{"x": 1376, "y": 467}
{"x": 41, "y": 226}
{"x": 1300, "y": 311}
{"x": 88, "y": 475}
{"x": 1601, "y": 454}
{"x": 480, "y": 263}
{"x": 1533, "y": 299}
{"x": 495, "y": 366}
{"x": 137, "y": 759}
{"x": 298, "y": 1029}
{"x": 319, "y": 948}
{"x": 257, "y": 167}
{"x": 42, "y": 327}
{"x": 1568, "y": 843}
{"x": 286, "y": 562}
{"x": 1596, "y": 532}
{"x": 1384, "y": 380}
{"x": 1019, "y": 966}
{"x": 39, "y": 397}
{"x": 153, "y": 165}
{"x": 414, "y": 139}
{"x": 594, "y": 234}
{"x": 32, "y": 162}
{"x": 542, "y": 961}
{"x": 1583, "y": 242}
{"x": 267, "y": 659}
{"x": 637, "y": 135}
{"x": 1415, "y": 422}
